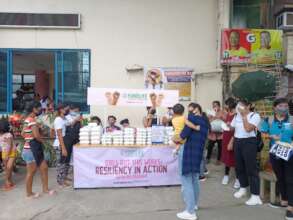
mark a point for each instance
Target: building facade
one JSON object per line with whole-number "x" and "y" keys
{"x": 113, "y": 34}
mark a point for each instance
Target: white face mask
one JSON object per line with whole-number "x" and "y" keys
{"x": 74, "y": 114}
{"x": 239, "y": 106}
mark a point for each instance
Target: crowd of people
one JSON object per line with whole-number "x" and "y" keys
{"x": 239, "y": 141}
{"x": 23, "y": 99}
{"x": 237, "y": 130}
{"x": 67, "y": 124}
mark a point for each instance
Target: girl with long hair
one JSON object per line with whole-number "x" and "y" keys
{"x": 33, "y": 153}
{"x": 191, "y": 155}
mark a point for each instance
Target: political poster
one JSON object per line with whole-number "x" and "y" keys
{"x": 255, "y": 46}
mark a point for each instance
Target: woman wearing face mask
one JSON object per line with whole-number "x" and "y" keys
{"x": 71, "y": 137}
{"x": 280, "y": 129}
{"x": 60, "y": 129}
{"x": 245, "y": 147}
{"x": 191, "y": 156}
{"x": 73, "y": 117}
{"x": 215, "y": 136}
{"x": 228, "y": 157}
{"x": 151, "y": 118}
{"x": 33, "y": 151}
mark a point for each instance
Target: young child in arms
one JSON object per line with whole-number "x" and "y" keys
{"x": 178, "y": 122}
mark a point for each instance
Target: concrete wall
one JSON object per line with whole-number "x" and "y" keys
{"x": 208, "y": 88}
{"x": 165, "y": 33}
{"x": 288, "y": 47}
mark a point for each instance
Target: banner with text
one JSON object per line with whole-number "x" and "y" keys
{"x": 179, "y": 79}
{"x": 132, "y": 97}
{"x": 124, "y": 167}
{"x": 170, "y": 78}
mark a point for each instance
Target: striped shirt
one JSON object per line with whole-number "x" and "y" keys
{"x": 27, "y": 131}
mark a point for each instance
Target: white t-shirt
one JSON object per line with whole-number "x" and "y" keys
{"x": 237, "y": 123}
{"x": 59, "y": 123}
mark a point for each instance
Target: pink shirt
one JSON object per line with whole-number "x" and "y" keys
{"x": 5, "y": 142}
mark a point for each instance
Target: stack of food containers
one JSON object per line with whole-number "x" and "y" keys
{"x": 141, "y": 136}
{"x": 84, "y": 135}
{"x": 107, "y": 139}
{"x": 169, "y": 133}
{"x": 96, "y": 133}
{"x": 149, "y": 136}
{"x": 129, "y": 136}
{"x": 117, "y": 137}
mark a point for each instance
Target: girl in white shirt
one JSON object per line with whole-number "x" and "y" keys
{"x": 245, "y": 124}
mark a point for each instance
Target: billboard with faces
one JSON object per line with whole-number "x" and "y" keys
{"x": 255, "y": 46}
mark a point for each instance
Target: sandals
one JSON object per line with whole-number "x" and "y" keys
{"x": 8, "y": 187}
{"x": 65, "y": 185}
{"x": 34, "y": 196}
{"x": 68, "y": 179}
{"x": 38, "y": 195}
{"x": 50, "y": 192}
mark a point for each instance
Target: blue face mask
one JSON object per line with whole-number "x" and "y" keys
{"x": 74, "y": 114}
{"x": 282, "y": 111}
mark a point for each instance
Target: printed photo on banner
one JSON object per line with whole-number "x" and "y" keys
{"x": 154, "y": 78}
{"x": 257, "y": 46}
{"x": 132, "y": 97}
{"x": 170, "y": 78}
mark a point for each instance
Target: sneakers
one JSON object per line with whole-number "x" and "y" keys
{"x": 186, "y": 215}
{"x": 236, "y": 184}
{"x": 289, "y": 215}
{"x": 225, "y": 180}
{"x": 254, "y": 200}
{"x": 277, "y": 205}
{"x": 196, "y": 208}
{"x": 240, "y": 193}
{"x": 202, "y": 178}
{"x": 206, "y": 172}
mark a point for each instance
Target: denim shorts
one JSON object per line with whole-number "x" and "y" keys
{"x": 28, "y": 156}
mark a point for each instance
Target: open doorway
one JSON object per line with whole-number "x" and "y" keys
{"x": 33, "y": 78}
{"x": 28, "y": 74}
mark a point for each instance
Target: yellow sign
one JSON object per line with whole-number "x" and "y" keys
{"x": 258, "y": 46}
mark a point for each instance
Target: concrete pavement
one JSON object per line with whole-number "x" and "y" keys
{"x": 158, "y": 203}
